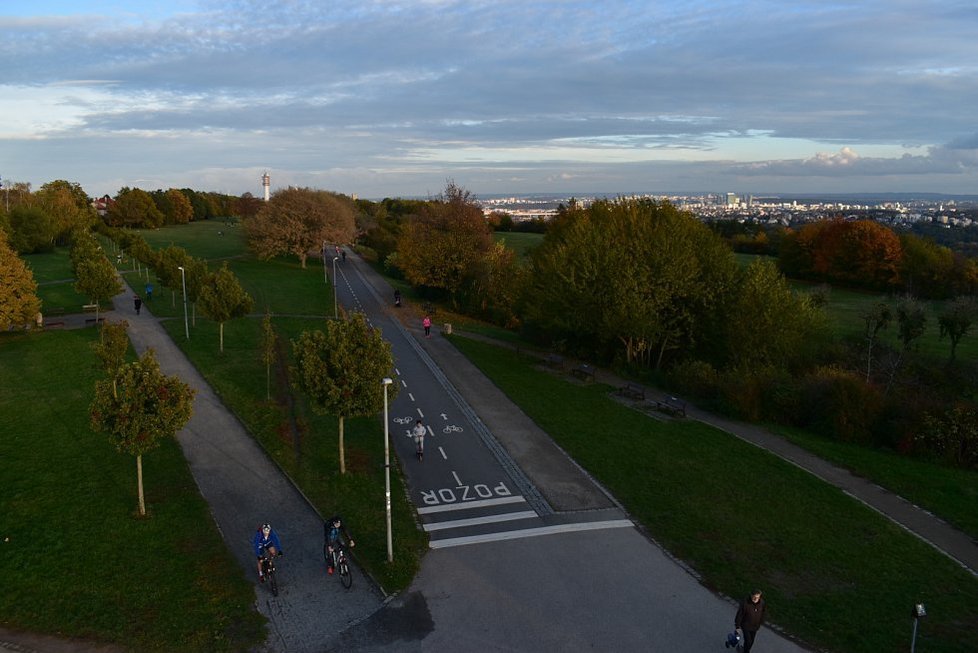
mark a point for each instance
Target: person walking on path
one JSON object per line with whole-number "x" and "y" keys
{"x": 149, "y": 291}
{"x": 427, "y": 326}
{"x": 138, "y": 303}
{"x": 750, "y": 616}
{"x": 418, "y": 433}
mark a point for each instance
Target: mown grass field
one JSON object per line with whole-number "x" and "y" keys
{"x": 77, "y": 560}
{"x": 835, "y": 573}
{"x": 519, "y": 242}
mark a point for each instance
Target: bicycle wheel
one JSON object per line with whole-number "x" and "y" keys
{"x": 273, "y": 583}
{"x": 345, "y": 576}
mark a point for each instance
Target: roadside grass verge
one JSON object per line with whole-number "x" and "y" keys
{"x": 836, "y": 574}
{"x": 951, "y": 494}
{"x": 77, "y": 561}
{"x": 239, "y": 377}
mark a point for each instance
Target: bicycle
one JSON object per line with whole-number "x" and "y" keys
{"x": 340, "y": 563}
{"x": 268, "y": 570}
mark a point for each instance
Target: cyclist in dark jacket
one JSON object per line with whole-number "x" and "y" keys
{"x": 334, "y": 532}
{"x": 266, "y": 539}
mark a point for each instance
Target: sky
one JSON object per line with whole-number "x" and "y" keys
{"x": 393, "y": 98}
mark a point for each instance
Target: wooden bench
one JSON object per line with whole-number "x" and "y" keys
{"x": 89, "y": 308}
{"x": 555, "y": 361}
{"x": 584, "y": 372}
{"x": 672, "y": 406}
{"x": 91, "y": 320}
{"x": 632, "y": 391}
{"x": 53, "y": 325}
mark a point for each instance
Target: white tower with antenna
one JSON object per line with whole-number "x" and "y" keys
{"x": 266, "y": 182}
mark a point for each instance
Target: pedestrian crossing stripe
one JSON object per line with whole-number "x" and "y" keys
{"x": 530, "y": 532}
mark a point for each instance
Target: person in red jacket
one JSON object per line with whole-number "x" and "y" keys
{"x": 750, "y": 616}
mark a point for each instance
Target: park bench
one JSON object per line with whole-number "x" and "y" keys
{"x": 672, "y": 406}
{"x": 89, "y": 308}
{"x": 584, "y": 372}
{"x": 54, "y": 325}
{"x": 556, "y": 361}
{"x": 632, "y": 391}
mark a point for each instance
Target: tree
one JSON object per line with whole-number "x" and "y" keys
{"x": 111, "y": 349}
{"x": 341, "y": 370}
{"x": 32, "y": 229}
{"x": 174, "y": 206}
{"x": 222, "y": 298}
{"x": 440, "y": 247}
{"x": 635, "y": 274}
{"x": 911, "y": 321}
{"x": 68, "y": 205}
{"x": 955, "y": 321}
{"x": 18, "y": 290}
{"x": 298, "y": 221}
{"x": 134, "y": 208}
{"x": 97, "y": 280}
{"x": 248, "y": 206}
{"x": 144, "y": 407}
{"x": 766, "y": 323}
{"x": 876, "y": 318}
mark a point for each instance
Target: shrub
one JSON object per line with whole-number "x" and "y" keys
{"x": 697, "y": 379}
{"x": 953, "y": 437}
{"x": 840, "y": 404}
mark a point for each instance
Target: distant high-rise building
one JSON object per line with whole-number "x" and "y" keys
{"x": 266, "y": 182}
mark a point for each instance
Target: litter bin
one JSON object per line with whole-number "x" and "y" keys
{"x": 448, "y": 329}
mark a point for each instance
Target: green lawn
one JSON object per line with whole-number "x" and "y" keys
{"x": 77, "y": 561}
{"x": 835, "y": 573}
{"x": 951, "y": 494}
{"x": 55, "y": 278}
{"x": 207, "y": 239}
{"x": 521, "y": 243}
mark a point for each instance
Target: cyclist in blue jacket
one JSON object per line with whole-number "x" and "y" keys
{"x": 266, "y": 539}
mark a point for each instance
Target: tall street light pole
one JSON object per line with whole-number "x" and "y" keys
{"x": 325, "y": 278}
{"x": 387, "y": 474}
{"x": 336, "y": 313}
{"x": 183, "y": 281}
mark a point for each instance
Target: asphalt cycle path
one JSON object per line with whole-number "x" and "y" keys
{"x": 244, "y": 488}
{"x": 527, "y": 552}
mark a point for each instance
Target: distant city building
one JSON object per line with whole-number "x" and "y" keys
{"x": 266, "y": 182}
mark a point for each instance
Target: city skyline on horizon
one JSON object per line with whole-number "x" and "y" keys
{"x": 379, "y": 99}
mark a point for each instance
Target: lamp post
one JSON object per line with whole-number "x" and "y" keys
{"x": 325, "y": 278}
{"x": 387, "y": 473}
{"x": 336, "y": 313}
{"x": 918, "y": 612}
{"x": 183, "y": 281}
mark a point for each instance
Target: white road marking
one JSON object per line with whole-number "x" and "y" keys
{"x": 411, "y": 395}
{"x": 529, "y": 532}
{"x": 482, "y": 503}
{"x": 420, "y": 413}
{"x": 444, "y": 417}
{"x": 475, "y": 521}
{"x": 403, "y": 383}
{"x": 443, "y": 454}
{"x": 458, "y": 481}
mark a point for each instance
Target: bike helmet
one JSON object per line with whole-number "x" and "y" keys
{"x": 266, "y": 528}
{"x": 336, "y": 520}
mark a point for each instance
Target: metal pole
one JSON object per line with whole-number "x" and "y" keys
{"x": 325, "y": 278}
{"x": 183, "y": 281}
{"x": 387, "y": 474}
{"x": 913, "y": 641}
{"x": 336, "y": 313}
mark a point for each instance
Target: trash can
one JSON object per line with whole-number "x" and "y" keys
{"x": 448, "y": 329}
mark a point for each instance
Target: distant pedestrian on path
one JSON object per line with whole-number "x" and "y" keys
{"x": 418, "y": 433}
{"x": 138, "y": 302}
{"x": 149, "y": 292}
{"x": 427, "y": 326}
{"x": 750, "y": 616}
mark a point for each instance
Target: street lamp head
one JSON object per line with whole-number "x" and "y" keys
{"x": 180, "y": 267}
{"x": 919, "y": 611}
{"x": 335, "y": 259}
{"x": 387, "y": 381}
